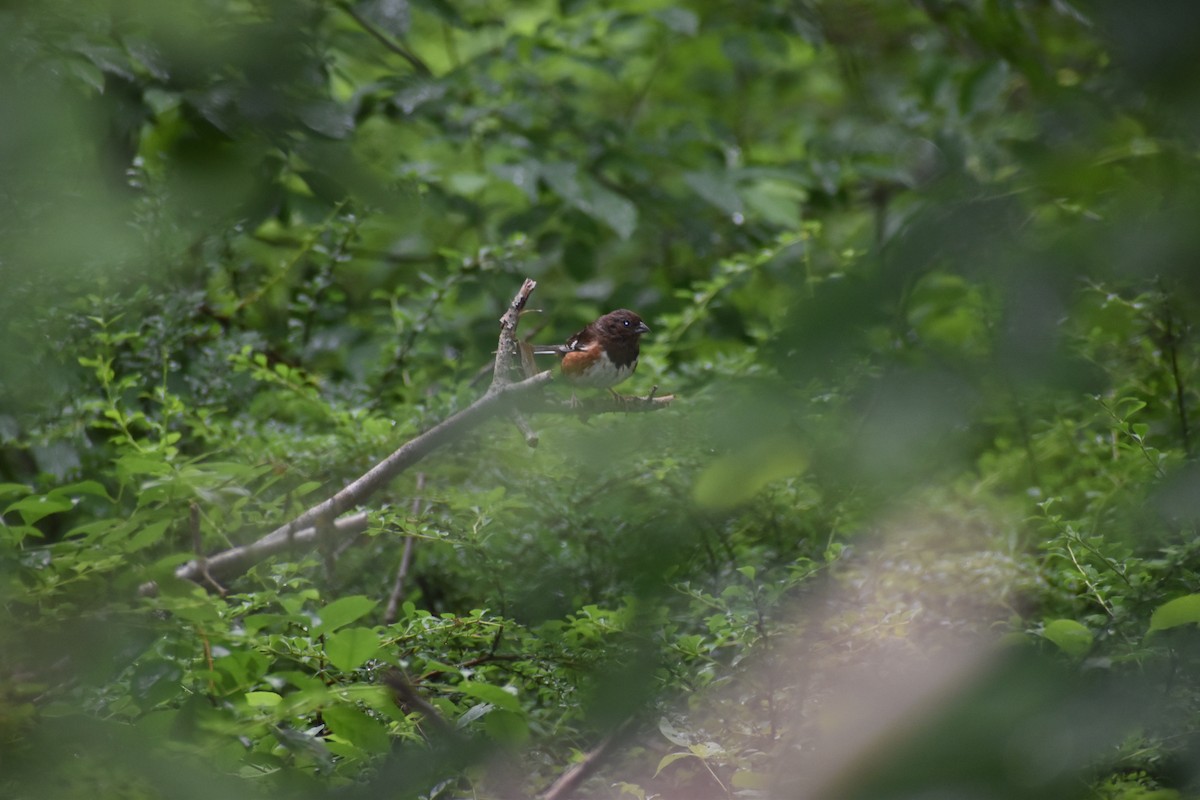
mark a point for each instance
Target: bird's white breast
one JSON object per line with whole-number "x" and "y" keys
{"x": 604, "y": 373}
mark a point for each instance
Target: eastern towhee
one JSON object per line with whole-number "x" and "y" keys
{"x": 604, "y": 353}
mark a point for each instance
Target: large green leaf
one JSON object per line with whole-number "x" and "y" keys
{"x": 342, "y": 612}
{"x": 1071, "y": 637}
{"x": 349, "y": 649}
{"x": 360, "y": 729}
{"x": 491, "y": 694}
{"x": 1180, "y": 611}
{"x": 35, "y": 508}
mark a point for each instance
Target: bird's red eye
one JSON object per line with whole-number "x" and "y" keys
{"x": 625, "y": 322}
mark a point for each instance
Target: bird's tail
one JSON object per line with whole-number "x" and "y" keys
{"x": 549, "y": 349}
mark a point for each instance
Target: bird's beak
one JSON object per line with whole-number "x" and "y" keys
{"x": 642, "y": 328}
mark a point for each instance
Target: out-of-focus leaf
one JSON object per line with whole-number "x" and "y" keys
{"x": 263, "y": 699}
{"x": 583, "y": 192}
{"x": 495, "y": 695}
{"x": 328, "y": 119}
{"x": 1072, "y": 638}
{"x": 1180, "y": 611}
{"x": 680, "y": 20}
{"x": 507, "y": 727}
{"x": 717, "y": 188}
{"x": 736, "y": 477}
{"x": 358, "y": 728}
{"x": 392, "y": 16}
{"x": 670, "y": 759}
{"x": 34, "y": 509}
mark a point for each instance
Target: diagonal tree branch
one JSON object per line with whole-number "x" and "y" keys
{"x": 237, "y": 560}
{"x": 304, "y": 527}
{"x": 322, "y": 520}
{"x": 566, "y": 783}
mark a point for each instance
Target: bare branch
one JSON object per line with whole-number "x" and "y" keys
{"x": 237, "y": 560}
{"x": 303, "y": 529}
{"x": 494, "y": 401}
{"x": 580, "y": 770}
{"x": 527, "y": 432}
{"x": 410, "y": 700}
{"x": 507, "y": 347}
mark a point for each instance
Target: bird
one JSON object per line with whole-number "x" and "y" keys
{"x": 603, "y": 354}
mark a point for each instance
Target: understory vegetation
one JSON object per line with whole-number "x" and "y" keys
{"x": 912, "y": 507}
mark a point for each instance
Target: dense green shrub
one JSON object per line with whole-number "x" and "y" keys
{"x": 920, "y": 278}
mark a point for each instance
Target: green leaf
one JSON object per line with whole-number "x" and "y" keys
{"x": 191, "y": 607}
{"x": 491, "y": 694}
{"x": 673, "y": 734}
{"x": 776, "y": 201}
{"x": 306, "y": 488}
{"x": 716, "y": 188}
{"x": 631, "y": 789}
{"x": 736, "y": 478}
{"x": 263, "y": 699}
{"x": 1071, "y": 637}
{"x": 670, "y": 759}
{"x": 358, "y": 728}
{"x": 680, "y": 20}
{"x": 473, "y": 713}
{"x": 612, "y": 209}
{"x": 149, "y": 535}
{"x": 562, "y": 178}
{"x": 304, "y": 744}
{"x": 586, "y": 194}
{"x": 349, "y": 649}
{"x": 94, "y": 488}
{"x": 14, "y": 488}
{"x": 706, "y": 749}
{"x": 34, "y": 508}
{"x": 506, "y": 727}
{"x": 1172, "y": 614}
{"x": 129, "y": 466}
{"x": 745, "y": 779}
{"x": 342, "y": 612}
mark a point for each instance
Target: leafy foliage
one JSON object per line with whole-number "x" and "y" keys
{"x": 920, "y": 275}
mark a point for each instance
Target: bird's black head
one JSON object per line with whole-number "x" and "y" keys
{"x": 622, "y": 324}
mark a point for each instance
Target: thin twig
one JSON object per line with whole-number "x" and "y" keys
{"x": 198, "y": 548}
{"x": 420, "y": 66}
{"x": 408, "y": 698}
{"x": 1173, "y": 339}
{"x": 1091, "y": 586}
{"x": 410, "y": 543}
